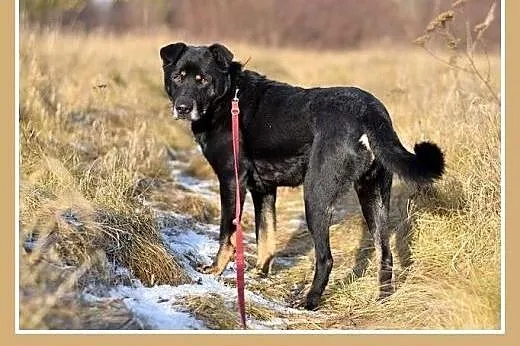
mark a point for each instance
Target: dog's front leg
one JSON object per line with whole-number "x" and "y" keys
{"x": 227, "y": 236}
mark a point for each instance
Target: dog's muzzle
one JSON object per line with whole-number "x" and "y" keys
{"x": 185, "y": 109}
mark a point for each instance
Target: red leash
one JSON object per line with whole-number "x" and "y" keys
{"x": 239, "y": 254}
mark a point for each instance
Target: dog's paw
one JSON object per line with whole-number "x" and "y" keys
{"x": 259, "y": 273}
{"x": 311, "y": 302}
{"x": 208, "y": 269}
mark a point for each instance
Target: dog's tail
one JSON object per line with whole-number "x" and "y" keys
{"x": 423, "y": 166}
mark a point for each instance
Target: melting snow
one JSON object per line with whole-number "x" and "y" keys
{"x": 193, "y": 243}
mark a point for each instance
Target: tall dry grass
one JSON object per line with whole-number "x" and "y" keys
{"x": 94, "y": 128}
{"x": 91, "y": 147}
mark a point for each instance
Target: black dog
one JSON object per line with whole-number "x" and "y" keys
{"x": 327, "y": 139}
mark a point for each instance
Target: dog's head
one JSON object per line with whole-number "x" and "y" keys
{"x": 195, "y": 77}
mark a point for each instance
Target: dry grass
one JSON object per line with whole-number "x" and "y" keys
{"x": 167, "y": 196}
{"x": 200, "y": 168}
{"x": 213, "y": 311}
{"x": 94, "y": 128}
{"x": 216, "y": 313}
{"x": 85, "y": 150}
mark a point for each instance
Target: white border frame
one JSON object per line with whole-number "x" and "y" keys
{"x": 17, "y": 167}
{"x": 249, "y": 332}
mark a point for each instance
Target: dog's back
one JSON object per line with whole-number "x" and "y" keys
{"x": 281, "y": 121}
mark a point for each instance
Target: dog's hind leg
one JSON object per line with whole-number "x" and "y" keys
{"x": 265, "y": 228}
{"x": 330, "y": 172}
{"x": 373, "y": 190}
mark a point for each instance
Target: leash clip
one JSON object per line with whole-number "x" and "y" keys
{"x": 235, "y": 110}
{"x": 236, "y": 95}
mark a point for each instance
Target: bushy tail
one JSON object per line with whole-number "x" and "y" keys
{"x": 426, "y": 165}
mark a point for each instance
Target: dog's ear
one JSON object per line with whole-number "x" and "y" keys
{"x": 221, "y": 54}
{"x": 172, "y": 52}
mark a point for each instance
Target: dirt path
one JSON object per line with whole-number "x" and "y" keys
{"x": 209, "y": 302}
{"x": 194, "y": 242}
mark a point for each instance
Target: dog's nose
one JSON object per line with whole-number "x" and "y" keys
{"x": 184, "y": 108}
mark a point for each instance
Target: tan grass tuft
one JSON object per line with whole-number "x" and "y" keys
{"x": 213, "y": 311}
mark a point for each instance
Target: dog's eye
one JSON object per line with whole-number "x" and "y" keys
{"x": 179, "y": 77}
{"x": 201, "y": 79}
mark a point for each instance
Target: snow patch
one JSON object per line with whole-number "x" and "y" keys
{"x": 153, "y": 305}
{"x": 193, "y": 243}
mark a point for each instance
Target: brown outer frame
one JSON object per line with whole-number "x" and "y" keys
{"x": 7, "y": 212}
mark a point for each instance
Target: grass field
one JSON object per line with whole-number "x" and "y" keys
{"x": 97, "y": 139}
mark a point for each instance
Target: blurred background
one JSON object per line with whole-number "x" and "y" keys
{"x": 315, "y": 24}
